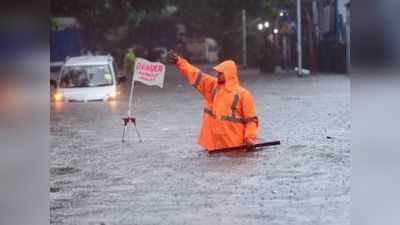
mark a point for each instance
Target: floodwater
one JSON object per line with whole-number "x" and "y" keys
{"x": 168, "y": 179}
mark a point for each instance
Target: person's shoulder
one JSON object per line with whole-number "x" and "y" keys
{"x": 244, "y": 93}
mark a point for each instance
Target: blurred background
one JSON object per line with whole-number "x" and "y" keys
{"x": 257, "y": 33}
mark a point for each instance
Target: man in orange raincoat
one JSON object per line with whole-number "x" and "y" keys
{"x": 229, "y": 117}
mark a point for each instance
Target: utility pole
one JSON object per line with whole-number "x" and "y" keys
{"x": 348, "y": 37}
{"x": 299, "y": 48}
{"x": 244, "y": 39}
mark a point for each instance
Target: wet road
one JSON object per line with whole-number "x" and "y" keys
{"x": 168, "y": 179}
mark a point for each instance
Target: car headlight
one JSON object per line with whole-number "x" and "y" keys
{"x": 58, "y": 96}
{"x": 113, "y": 94}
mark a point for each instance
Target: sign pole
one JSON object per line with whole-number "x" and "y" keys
{"x": 129, "y": 118}
{"x": 131, "y": 95}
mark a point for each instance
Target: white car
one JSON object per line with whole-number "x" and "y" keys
{"x": 87, "y": 78}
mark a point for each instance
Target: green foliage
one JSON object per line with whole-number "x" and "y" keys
{"x": 104, "y": 13}
{"x": 216, "y": 16}
{"x": 99, "y": 16}
{"x": 220, "y": 19}
{"x": 156, "y": 30}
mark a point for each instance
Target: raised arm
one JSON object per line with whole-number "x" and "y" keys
{"x": 204, "y": 83}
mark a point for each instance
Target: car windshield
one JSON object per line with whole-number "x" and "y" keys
{"x": 85, "y": 76}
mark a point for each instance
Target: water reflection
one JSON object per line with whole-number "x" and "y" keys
{"x": 113, "y": 105}
{"x": 58, "y": 106}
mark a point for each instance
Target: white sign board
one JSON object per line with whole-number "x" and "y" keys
{"x": 149, "y": 73}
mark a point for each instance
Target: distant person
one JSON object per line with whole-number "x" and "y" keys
{"x": 129, "y": 64}
{"x": 229, "y": 117}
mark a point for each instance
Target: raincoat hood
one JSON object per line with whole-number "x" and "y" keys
{"x": 229, "y": 69}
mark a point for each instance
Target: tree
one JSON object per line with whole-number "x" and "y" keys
{"x": 156, "y": 30}
{"x": 100, "y": 16}
{"x": 221, "y": 19}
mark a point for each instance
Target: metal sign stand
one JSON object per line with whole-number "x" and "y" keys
{"x": 130, "y": 119}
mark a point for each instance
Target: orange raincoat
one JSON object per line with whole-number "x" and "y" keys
{"x": 229, "y": 117}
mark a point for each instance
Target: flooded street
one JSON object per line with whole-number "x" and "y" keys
{"x": 169, "y": 179}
